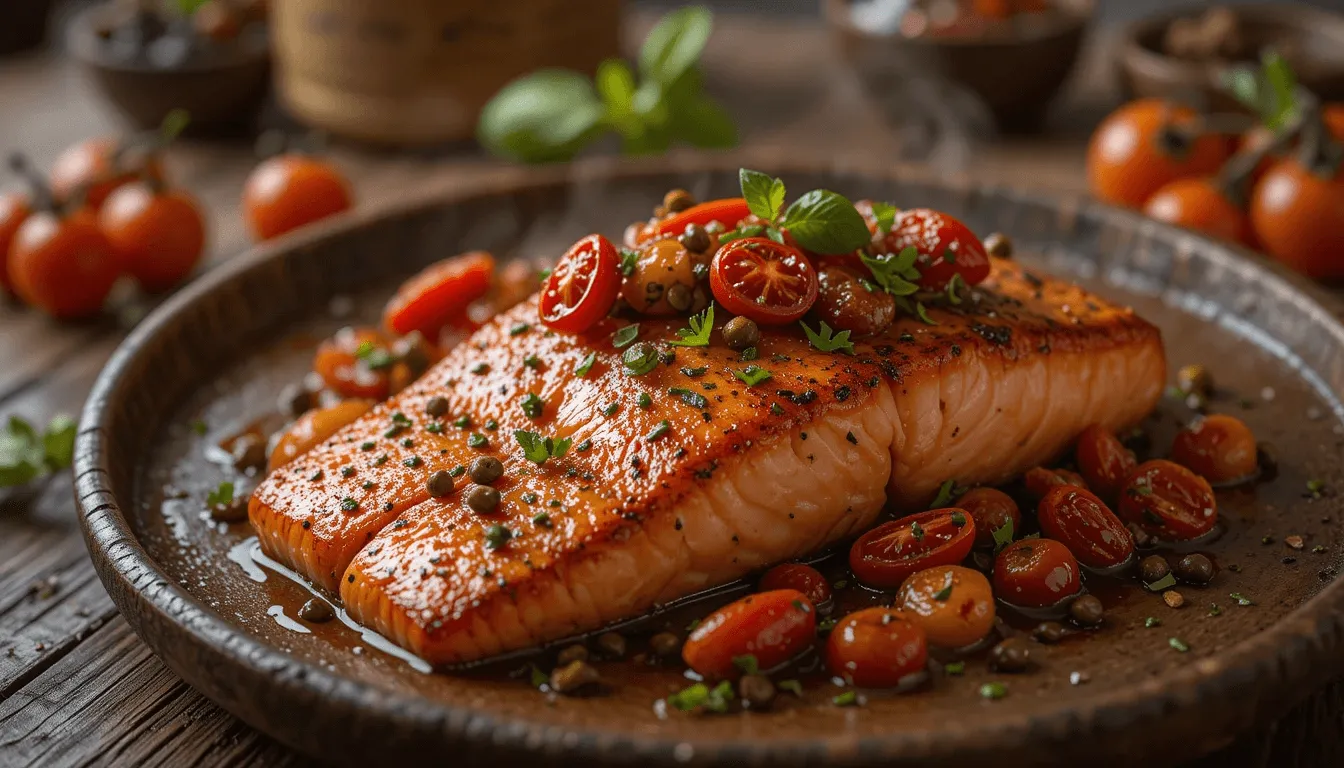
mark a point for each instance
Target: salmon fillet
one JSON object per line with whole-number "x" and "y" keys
{"x": 713, "y": 480}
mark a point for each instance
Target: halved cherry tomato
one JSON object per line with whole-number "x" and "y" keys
{"x": 1036, "y": 573}
{"x": 885, "y": 556}
{"x": 772, "y": 626}
{"x": 439, "y": 294}
{"x": 348, "y": 373}
{"x": 946, "y": 247}
{"x": 876, "y": 648}
{"x": 63, "y": 265}
{"x": 1103, "y": 461}
{"x": 727, "y": 212}
{"x": 13, "y": 210}
{"x": 313, "y": 427}
{"x": 803, "y": 578}
{"x": 1085, "y": 525}
{"x": 770, "y": 283}
{"x": 953, "y": 604}
{"x": 583, "y": 286}
{"x": 1217, "y": 447}
{"x": 1169, "y": 501}
{"x": 990, "y": 508}
{"x": 1040, "y": 480}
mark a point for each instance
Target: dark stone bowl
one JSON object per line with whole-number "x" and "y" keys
{"x": 216, "y": 351}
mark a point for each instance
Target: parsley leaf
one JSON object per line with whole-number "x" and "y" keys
{"x": 538, "y": 449}
{"x": 629, "y": 261}
{"x": 586, "y": 365}
{"x": 702, "y": 325}
{"x": 895, "y": 273}
{"x": 947, "y": 493}
{"x": 827, "y": 340}
{"x": 26, "y": 455}
{"x": 752, "y": 375}
{"x": 825, "y": 222}
{"x": 1003, "y": 535}
{"x": 764, "y": 193}
{"x": 624, "y": 336}
{"x": 700, "y": 696}
{"x": 221, "y": 495}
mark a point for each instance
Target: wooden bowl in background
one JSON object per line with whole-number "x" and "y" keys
{"x": 419, "y": 71}
{"x": 1313, "y": 37}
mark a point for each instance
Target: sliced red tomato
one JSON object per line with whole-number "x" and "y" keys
{"x": 888, "y": 554}
{"x": 356, "y": 362}
{"x": 946, "y": 247}
{"x": 583, "y": 286}
{"x": 772, "y": 626}
{"x": 727, "y": 212}
{"x": 766, "y": 281}
{"x": 439, "y": 295}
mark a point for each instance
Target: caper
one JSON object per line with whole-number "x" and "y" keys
{"x": 249, "y": 452}
{"x": 741, "y": 332}
{"x": 316, "y": 611}
{"x": 611, "y": 644}
{"x": 571, "y": 654}
{"x": 695, "y": 239}
{"x": 1049, "y": 632}
{"x": 1087, "y": 610}
{"x": 679, "y": 297}
{"x": 295, "y": 400}
{"x": 677, "y": 200}
{"x": 1194, "y": 568}
{"x": 482, "y": 499}
{"x": 486, "y": 470}
{"x": 756, "y": 690}
{"x": 665, "y": 644}
{"x": 574, "y": 677}
{"x": 440, "y": 484}
{"x": 1194, "y": 380}
{"x": 437, "y": 407}
{"x": 1011, "y": 655}
{"x": 1000, "y": 245}
{"x": 1153, "y": 568}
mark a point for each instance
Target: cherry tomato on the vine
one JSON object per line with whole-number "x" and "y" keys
{"x": 583, "y": 287}
{"x": 1146, "y": 144}
{"x": 772, "y": 626}
{"x": 1200, "y": 204}
{"x": 886, "y": 555}
{"x": 1298, "y": 217}
{"x": 439, "y": 295}
{"x": 158, "y": 235}
{"x": 13, "y": 211}
{"x": 796, "y": 576}
{"x": 286, "y": 192}
{"x": 727, "y": 212}
{"x": 63, "y": 265}
{"x": 1219, "y": 448}
{"x": 768, "y": 282}
{"x": 97, "y": 167}
{"x": 954, "y": 604}
{"x": 876, "y": 648}
{"x": 946, "y": 247}
{"x": 1084, "y": 524}
{"x": 1103, "y": 461}
{"x": 1036, "y": 573}
{"x": 1169, "y": 501}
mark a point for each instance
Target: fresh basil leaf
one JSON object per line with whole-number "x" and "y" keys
{"x": 21, "y": 459}
{"x": 675, "y": 43}
{"x": 825, "y": 222}
{"x": 764, "y": 193}
{"x": 885, "y": 214}
{"x": 546, "y": 116}
{"x": 1282, "y": 90}
{"x": 58, "y": 443}
{"x": 616, "y": 86}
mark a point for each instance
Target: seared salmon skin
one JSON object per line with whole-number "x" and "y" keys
{"x": 686, "y": 476}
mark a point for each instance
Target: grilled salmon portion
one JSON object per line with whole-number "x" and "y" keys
{"x": 704, "y": 480}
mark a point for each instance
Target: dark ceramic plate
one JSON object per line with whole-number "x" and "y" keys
{"x": 221, "y": 349}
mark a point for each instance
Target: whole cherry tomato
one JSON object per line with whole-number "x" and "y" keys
{"x": 97, "y": 166}
{"x": 772, "y": 626}
{"x": 1084, "y": 524}
{"x": 439, "y": 295}
{"x": 799, "y": 577}
{"x": 1040, "y": 480}
{"x": 946, "y": 247}
{"x": 1201, "y": 204}
{"x": 289, "y": 191}
{"x": 876, "y": 648}
{"x": 356, "y": 362}
{"x": 1169, "y": 501}
{"x": 885, "y": 556}
{"x": 62, "y": 265}
{"x": 158, "y": 235}
{"x": 1219, "y": 448}
{"x": 1333, "y": 117}
{"x": 1145, "y": 145}
{"x": 312, "y": 428}
{"x": 583, "y": 286}
{"x": 768, "y": 282}
{"x": 727, "y": 212}
{"x": 954, "y": 605}
{"x": 1103, "y": 461}
{"x": 13, "y": 211}
{"x": 1298, "y": 217}
{"x": 991, "y": 509}
{"x": 1036, "y": 573}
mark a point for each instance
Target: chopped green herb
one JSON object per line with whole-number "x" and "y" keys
{"x": 317, "y": 476}
{"x": 954, "y": 667}
{"x": 367, "y": 445}
{"x": 694, "y": 373}
{"x": 491, "y": 424}
{"x": 199, "y": 427}
{"x": 434, "y": 429}
{"x": 776, "y": 409}
{"x": 542, "y": 519}
{"x": 846, "y": 699}
{"x": 349, "y": 505}
{"x": 625, "y": 336}
{"x": 700, "y": 697}
{"x": 702, "y": 325}
{"x": 1003, "y": 535}
{"x": 457, "y": 471}
{"x": 1241, "y": 599}
{"x": 827, "y": 340}
{"x": 584, "y": 446}
{"x": 747, "y": 664}
{"x": 497, "y": 536}
{"x": 374, "y": 358}
{"x": 640, "y": 359}
{"x": 748, "y": 355}
{"x": 944, "y": 594}
{"x": 519, "y": 328}
{"x": 689, "y": 397}
{"x": 610, "y": 409}
{"x": 221, "y": 495}
{"x": 347, "y": 471}
{"x": 895, "y": 273}
{"x": 923, "y": 314}
{"x": 952, "y": 286}
{"x": 629, "y": 261}
{"x": 532, "y": 361}
{"x": 958, "y": 518}
{"x": 477, "y": 440}
{"x": 658, "y": 432}
{"x": 586, "y": 365}
{"x": 885, "y": 214}
{"x": 993, "y": 691}
{"x": 1152, "y": 621}
{"x": 947, "y": 493}
{"x": 462, "y": 422}
{"x": 1215, "y": 610}
{"x": 645, "y": 401}
{"x": 538, "y": 449}
{"x": 412, "y": 462}
{"x": 1166, "y": 582}
{"x": 532, "y": 405}
{"x": 1178, "y": 644}
{"x": 539, "y": 678}
{"x": 480, "y": 368}
{"x": 792, "y": 686}
{"x": 752, "y": 375}
{"x": 826, "y": 625}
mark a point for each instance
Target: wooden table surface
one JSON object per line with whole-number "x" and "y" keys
{"x": 77, "y": 687}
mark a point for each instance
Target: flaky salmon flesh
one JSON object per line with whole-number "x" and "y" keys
{"x": 706, "y": 481}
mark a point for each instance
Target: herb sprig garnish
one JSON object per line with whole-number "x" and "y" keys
{"x": 538, "y": 449}
{"x": 827, "y": 340}
{"x": 821, "y": 221}
{"x": 702, "y": 325}
{"x": 752, "y": 375}
{"x": 26, "y": 454}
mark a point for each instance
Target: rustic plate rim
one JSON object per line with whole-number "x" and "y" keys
{"x": 1289, "y": 652}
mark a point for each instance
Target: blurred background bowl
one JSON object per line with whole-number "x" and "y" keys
{"x": 1014, "y": 72}
{"x": 1311, "y": 39}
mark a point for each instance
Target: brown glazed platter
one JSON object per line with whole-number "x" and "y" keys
{"x": 214, "y": 357}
